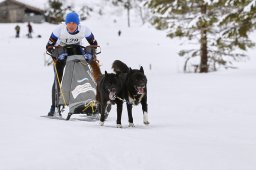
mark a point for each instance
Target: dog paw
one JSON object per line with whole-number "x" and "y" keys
{"x": 131, "y": 125}
{"x": 146, "y": 122}
{"x": 119, "y": 126}
{"x": 101, "y": 123}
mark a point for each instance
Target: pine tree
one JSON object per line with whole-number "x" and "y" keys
{"x": 56, "y": 12}
{"x": 221, "y": 26}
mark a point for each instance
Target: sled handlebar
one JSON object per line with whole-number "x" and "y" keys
{"x": 85, "y": 48}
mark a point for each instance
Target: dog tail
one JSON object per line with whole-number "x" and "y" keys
{"x": 119, "y": 67}
{"x": 96, "y": 73}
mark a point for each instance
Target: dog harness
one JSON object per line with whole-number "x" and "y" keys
{"x": 134, "y": 100}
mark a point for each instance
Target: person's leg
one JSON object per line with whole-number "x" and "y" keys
{"x": 59, "y": 68}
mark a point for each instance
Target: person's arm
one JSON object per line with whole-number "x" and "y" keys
{"x": 91, "y": 40}
{"x": 52, "y": 41}
{"x": 90, "y": 54}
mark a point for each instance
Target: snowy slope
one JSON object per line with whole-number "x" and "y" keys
{"x": 198, "y": 121}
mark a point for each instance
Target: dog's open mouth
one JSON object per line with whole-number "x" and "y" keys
{"x": 140, "y": 89}
{"x": 112, "y": 94}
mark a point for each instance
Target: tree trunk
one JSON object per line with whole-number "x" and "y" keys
{"x": 141, "y": 16}
{"x": 128, "y": 12}
{"x": 203, "y": 43}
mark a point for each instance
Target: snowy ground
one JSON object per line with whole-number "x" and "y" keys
{"x": 198, "y": 121}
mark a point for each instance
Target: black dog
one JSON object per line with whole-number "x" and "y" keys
{"x": 134, "y": 90}
{"x": 108, "y": 88}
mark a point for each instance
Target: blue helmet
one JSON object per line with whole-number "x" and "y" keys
{"x": 72, "y": 17}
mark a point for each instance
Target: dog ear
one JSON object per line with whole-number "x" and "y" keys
{"x": 130, "y": 69}
{"x": 141, "y": 69}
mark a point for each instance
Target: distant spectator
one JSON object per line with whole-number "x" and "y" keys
{"x": 119, "y": 33}
{"x": 30, "y": 30}
{"x": 17, "y": 29}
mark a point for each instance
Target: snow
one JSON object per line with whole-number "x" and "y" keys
{"x": 249, "y": 6}
{"x": 211, "y": 1}
{"x": 198, "y": 121}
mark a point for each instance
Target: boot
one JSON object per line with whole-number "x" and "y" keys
{"x": 52, "y": 111}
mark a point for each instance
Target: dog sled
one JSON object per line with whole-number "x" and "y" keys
{"x": 77, "y": 89}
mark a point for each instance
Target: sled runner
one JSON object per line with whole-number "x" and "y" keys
{"x": 77, "y": 89}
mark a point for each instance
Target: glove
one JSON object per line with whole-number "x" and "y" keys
{"x": 88, "y": 57}
{"x": 50, "y": 49}
{"x": 62, "y": 56}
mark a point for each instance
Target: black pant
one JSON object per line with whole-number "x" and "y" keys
{"x": 17, "y": 34}
{"x": 58, "y": 70}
